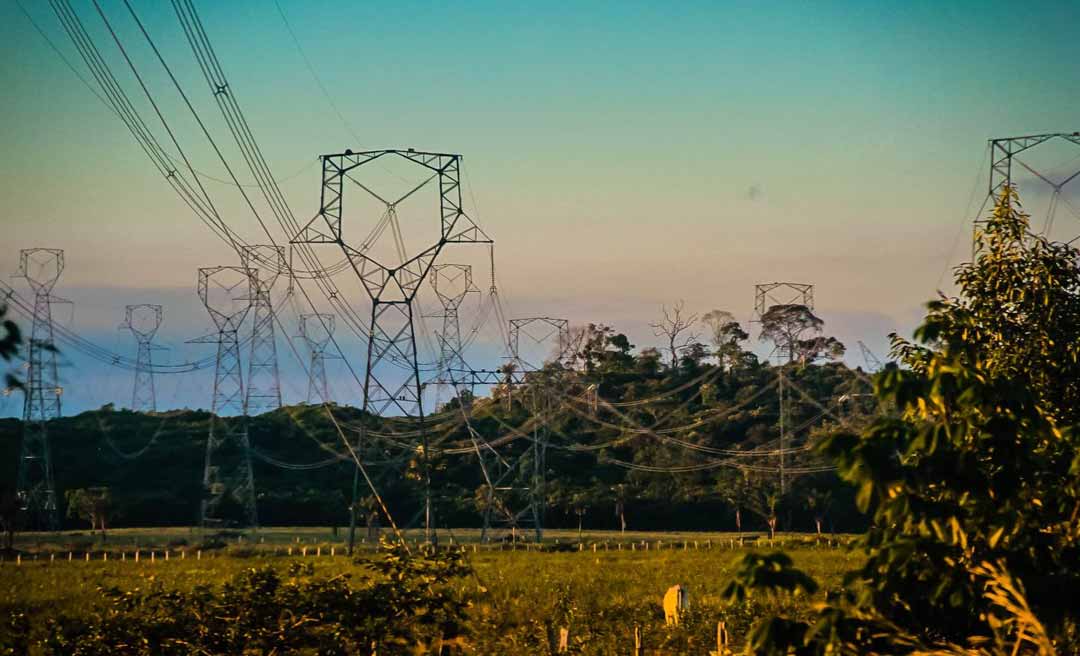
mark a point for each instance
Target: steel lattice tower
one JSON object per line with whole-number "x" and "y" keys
{"x": 316, "y": 331}
{"x": 452, "y": 283}
{"x": 766, "y": 296}
{"x": 517, "y": 487}
{"x": 143, "y": 321}
{"x": 264, "y": 384}
{"x": 392, "y": 288}
{"x": 34, "y": 486}
{"x": 228, "y": 482}
{"x": 1005, "y": 152}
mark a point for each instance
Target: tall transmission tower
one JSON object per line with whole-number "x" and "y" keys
{"x": 452, "y": 283}
{"x": 264, "y": 384}
{"x": 517, "y": 481}
{"x": 316, "y": 330}
{"x": 35, "y": 491}
{"x": 392, "y": 376}
{"x": 228, "y": 482}
{"x": 766, "y": 296}
{"x": 1005, "y": 153}
{"x": 143, "y": 321}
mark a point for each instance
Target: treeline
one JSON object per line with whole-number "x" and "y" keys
{"x": 632, "y": 439}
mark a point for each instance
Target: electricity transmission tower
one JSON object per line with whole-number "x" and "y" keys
{"x": 1005, "y": 152}
{"x": 35, "y": 492}
{"x": 516, "y": 481}
{"x": 265, "y": 263}
{"x": 766, "y": 296}
{"x": 143, "y": 321}
{"x": 392, "y": 376}
{"x": 873, "y": 363}
{"x": 452, "y": 283}
{"x": 316, "y": 331}
{"x": 228, "y": 482}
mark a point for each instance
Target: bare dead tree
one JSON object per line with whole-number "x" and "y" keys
{"x": 676, "y": 328}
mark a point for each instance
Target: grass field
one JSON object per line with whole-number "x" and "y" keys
{"x": 518, "y": 596}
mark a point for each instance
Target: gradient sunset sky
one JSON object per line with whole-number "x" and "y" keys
{"x": 622, "y": 155}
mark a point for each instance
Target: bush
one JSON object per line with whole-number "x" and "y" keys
{"x": 413, "y": 603}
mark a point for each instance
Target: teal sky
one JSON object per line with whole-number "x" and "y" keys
{"x": 622, "y": 154}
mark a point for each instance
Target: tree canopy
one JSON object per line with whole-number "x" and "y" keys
{"x": 972, "y": 482}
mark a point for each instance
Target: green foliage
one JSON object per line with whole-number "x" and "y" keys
{"x": 10, "y": 341}
{"x": 90, "y": 504}
{"x": 411, "y": 604}
{"x": 770, "y": 573}
{"x": 973, "y": 484}
{"x": 794, "y": 329}
{"x": 732, "y": 406}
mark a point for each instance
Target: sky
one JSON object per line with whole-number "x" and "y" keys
{"x": 622, "y": 155}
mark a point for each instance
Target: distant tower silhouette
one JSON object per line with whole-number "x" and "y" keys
{"x": 767, "y": 296}
{"x": 265, "y": 263}
{"x": 452, "y": 284}
{"x": 34, "y": 486}
{"x": 143, "y": 321}
{"x": 228, "y": 481}
{"x": 316, "y": 330}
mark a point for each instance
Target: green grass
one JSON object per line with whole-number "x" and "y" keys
{"x": 518, "y": 596}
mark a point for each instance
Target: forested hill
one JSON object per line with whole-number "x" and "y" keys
{"x": 664, "y": 443}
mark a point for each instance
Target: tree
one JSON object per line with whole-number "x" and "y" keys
{"x": 579, "y": 505}
{"x": 676, "y": 328}
{"x": 795, "y": 330}
{"x": 10, "y": 341}
{"x": 648, "y": 361}
{"x": 758, "y": 492}
{"x": 786, "y": 325}
{"x": 818, "y": 501}
{"x": 618, "y": 493}
{"x": 820, "y": 347}
{"x": 725, "y": 334}
{"x": 9, "y": 515}
{"x": 598, "y": 349}
{"x": 973, "y": 482}
{"x": 93, "y": 504}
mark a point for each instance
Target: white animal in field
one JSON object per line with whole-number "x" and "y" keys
{"x": 676, "y": 602}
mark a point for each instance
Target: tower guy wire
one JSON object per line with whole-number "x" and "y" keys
{"x": 228, "y": 495}
{"x": 35, "y": 490}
